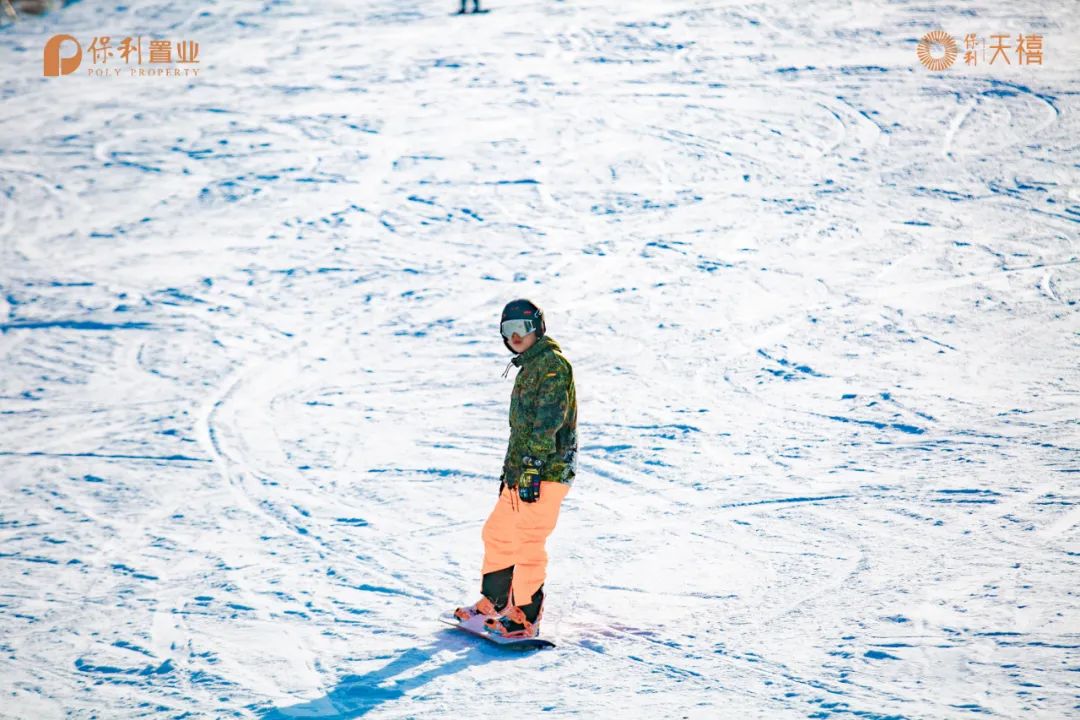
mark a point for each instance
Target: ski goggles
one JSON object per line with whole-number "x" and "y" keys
{"x": 521, "y": 327}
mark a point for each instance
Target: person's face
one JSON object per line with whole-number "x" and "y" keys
{"x": 521, "y": 344}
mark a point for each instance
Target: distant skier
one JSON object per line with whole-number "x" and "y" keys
{"x": 540, "y": 464}
{"x": 475, "y": 7}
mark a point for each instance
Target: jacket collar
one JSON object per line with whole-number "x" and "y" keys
{"x": 541, "y": 346}
{"x": 538, "y": 348}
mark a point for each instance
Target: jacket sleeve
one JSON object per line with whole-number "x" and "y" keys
{"x": 552, "y": 400}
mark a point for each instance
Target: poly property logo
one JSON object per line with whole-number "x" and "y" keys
{"x": 64, "y": 54}
{"x": 937, "y": 50}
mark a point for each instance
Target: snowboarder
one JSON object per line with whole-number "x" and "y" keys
{"x": 475, "y": 7}
{"x": 540, "y": 464}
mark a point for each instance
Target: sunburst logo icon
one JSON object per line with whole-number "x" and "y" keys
{"x": 942, "y": 42}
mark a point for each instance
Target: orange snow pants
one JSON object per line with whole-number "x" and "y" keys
{"x": 514, "y": 534}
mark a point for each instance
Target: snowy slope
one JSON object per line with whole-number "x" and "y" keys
{"x": 822, "y": 306}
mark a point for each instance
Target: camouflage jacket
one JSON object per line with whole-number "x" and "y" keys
{"x": 543, "y": 414}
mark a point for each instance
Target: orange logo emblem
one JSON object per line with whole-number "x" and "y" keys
{"x": 54, "y": 65}
{"x": 939, "y": 39}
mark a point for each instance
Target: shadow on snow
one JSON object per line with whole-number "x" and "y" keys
{"x": 357, "y": 695}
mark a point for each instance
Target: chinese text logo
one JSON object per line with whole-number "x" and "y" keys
{"x": 163, "y": 57}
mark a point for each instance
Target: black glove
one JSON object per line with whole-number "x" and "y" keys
{"x": 529, "y": 483}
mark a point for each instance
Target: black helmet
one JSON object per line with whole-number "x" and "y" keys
{"x": 523, "y": 309}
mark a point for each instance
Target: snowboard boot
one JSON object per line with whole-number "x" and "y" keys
{"x": 483, "y": 606}
{"x": 495, "y": 588}
{"x": 519, "y": 621}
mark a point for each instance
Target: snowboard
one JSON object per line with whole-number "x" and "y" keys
{"x": 475, "y": 626}
{"x": 481, "y": 11}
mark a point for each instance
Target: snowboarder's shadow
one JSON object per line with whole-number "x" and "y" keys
{"x": 357, "y": 695}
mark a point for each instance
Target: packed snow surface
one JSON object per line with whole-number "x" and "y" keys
{"x": 821, "y": 304}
